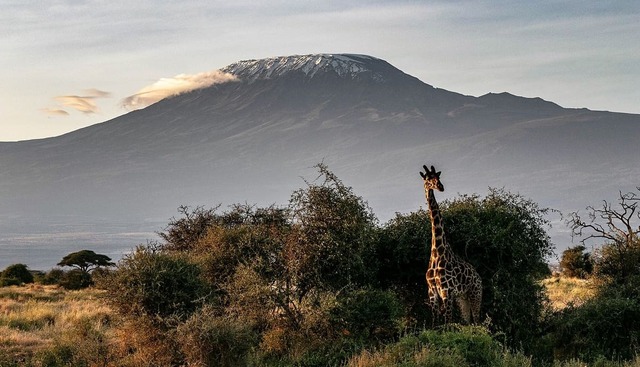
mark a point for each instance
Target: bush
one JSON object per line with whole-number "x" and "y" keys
{"x": 155, "y": 284}
{"x": 502, "y": 235}
{"x": 576, "y": 263}
{"x": 16, "y": 274}
{"x": 75, "y": 279}
{"x": 461, "y": 346}
{"x": 337, "y": 234}
{"x": 53, "y": 276}
{"x": 368, "y": 313}
{"x": 209, "y": 339}
{"x": 603, "y": 326}
{"x": 617, "y": 262}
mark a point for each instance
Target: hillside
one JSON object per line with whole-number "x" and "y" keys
{"x": 252, "y": 139}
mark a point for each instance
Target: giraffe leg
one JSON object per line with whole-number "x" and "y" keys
{"x": 447, "y": 310}
{"x": 465, "y": 308}
{"x": 434, "y": 305}
{"x": 476, "y": 302}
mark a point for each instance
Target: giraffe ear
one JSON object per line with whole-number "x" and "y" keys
{"x": 438, "y": 174}
{"x": 424, "y": 175}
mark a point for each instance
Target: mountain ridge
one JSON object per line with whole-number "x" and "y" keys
{"x": 252, "y": 139}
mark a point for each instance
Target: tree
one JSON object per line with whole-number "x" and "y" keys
{"x": 16, "y": 274}
{"x": 502, "y": 235}
{"x": 618, "y": 229}
{"x": 155, "y": 284}
{"x": 576, "y": 263}
{"x": 337, "y": 233}
{"x": 183, "y": 233}
{"x": 85, "y": 260}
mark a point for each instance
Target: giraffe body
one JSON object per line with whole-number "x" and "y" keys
{"x": 449, "y": 278}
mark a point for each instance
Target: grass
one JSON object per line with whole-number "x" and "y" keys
{"x": 564, "y": 291}
{"x": 34, "y": 318}
{"x": 49, "y": 326}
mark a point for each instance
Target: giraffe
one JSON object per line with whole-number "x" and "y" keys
{"x": 449, "y": 278}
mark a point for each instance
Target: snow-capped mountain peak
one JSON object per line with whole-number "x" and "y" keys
{"x": 344, "y": 65}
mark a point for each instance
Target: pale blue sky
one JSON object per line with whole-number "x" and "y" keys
{"x": 574, "y": 53}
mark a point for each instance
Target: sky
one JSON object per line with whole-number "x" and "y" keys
{"x": 69, "y": 64}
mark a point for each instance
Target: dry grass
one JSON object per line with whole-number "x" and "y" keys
{"x": 566, "y": 291}
{"x": 34, "y": 317}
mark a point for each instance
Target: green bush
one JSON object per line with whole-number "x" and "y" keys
{"x": 461, "y": 346}
{"x": 618, "y": 261}
{"x": 16, "y": 274}
{"x": 502, "y": 235}
{"x": 368, "y": 313}
{"x": 576, "y": 263}
{"x": 603, "y": 326}
{"x": 53, "y": 276}
{"x": 209, "y": 339}
{"x": 155, "y": 284}
{"x": 75, "y": 279}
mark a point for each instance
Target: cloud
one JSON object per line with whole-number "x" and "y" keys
{"x": 167, "y": 87}
{"x": 54, "y": 111}
{"x": 97, "y": 93}
{"x": 85, "y": 104}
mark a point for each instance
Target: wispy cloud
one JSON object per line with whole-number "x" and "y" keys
{"x": 85, "y": 103}
{"x": 167, "y": 87}
{"x": 53, "y": 111}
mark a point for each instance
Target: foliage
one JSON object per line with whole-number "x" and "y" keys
{"x": 576, "y": 263}
{"x": 608, "y": 324}
{"x": 53, "y": 276}
{"x": 403, "y": 257}
{"x": 182, "y": 233}
{"x": 85, "y": 260}
{"x": 336, "y": 232}
{"x": 618, "y": 262}
{"x": 155, "y": 284}
{"x": 502, "y": 235}
{"x": 461, "y": 346}
{"x": 209, "y": 339}
{"x": 602, "y": 326}
{"x": 75, "y": 279}
{"x": 368, "y": 313}
{"x": 16, "y": 274}
{"x": 617, "y": 227}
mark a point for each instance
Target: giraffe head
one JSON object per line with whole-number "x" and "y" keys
{"x": 431, "y": 179}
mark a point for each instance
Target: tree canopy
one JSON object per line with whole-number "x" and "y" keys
{"x": 86, "y": 260}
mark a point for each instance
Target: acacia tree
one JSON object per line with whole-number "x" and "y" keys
{"x": 85, "y": 260}
{"x": 617, "y": 228}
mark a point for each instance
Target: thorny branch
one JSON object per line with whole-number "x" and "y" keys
{"x": 618, "y": 225}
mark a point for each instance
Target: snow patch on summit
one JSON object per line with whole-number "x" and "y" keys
{"x": 345, "y": 65}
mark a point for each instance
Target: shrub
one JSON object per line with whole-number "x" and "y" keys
{"x": 53, "y": 276}
{"x": 155, "y": 284}
{"x": 618, "y": 261}
{"x": 603, "y": 326}
{"x": 461, "y": 346}
{"x": 337, "y": 233}
{"x": 183, "y": 233}
{"x": 75, "y": 279}
{"x": 209, "y": 339}
{"x": 368, "y": 313}
{"x": 576, "y": 263}
{"x": 502, "y": 235}
{"x": 16, "y": 274}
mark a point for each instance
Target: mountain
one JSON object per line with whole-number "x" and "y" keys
{"x": 252, "y": 139}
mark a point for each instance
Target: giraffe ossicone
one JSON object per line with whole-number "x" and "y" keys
{"x": 449, "y": 278}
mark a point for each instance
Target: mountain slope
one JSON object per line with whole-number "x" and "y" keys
{"x": 251, "y": 140}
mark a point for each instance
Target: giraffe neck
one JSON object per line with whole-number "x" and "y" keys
{"x": 439, "y": 246}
